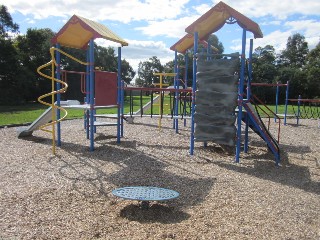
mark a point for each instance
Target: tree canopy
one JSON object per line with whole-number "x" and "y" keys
{"x": 22, "y": 54}
{"x": 6, "y": 23}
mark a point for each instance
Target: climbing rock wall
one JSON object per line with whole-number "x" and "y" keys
{"x": 216, "y": 100}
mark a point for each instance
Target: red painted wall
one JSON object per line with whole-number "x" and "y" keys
{"x": 105, "y": 88}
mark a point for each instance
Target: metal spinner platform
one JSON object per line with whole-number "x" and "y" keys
{"x": 145, "y": 194}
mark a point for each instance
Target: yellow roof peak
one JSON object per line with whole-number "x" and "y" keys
{"x": 78, "y": 31}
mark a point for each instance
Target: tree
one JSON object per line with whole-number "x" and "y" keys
{"x": 263, "y": 61}
{"x": 296, "y": 51}
{"x": 34, "y": 51}
{"x": 10, "y": 88}
{"x": 313, "y": 73}
{"x": 105, "y": 58}
{"x": 127, "y": 72}
{"x": 6, "y": 23}
{"x": 291, "y": 64}
{"x": 147, "y": 69}
{"x": 169, "y": 68}
{"x": 213, "y": 40}
{"x": 264, "y": 71}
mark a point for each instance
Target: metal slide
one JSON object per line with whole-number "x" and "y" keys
{"x": 40, "y": 121}
{"x": 44, "y": 118}
{"x": 258, "y": 126}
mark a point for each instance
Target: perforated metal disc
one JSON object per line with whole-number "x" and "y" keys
{"x": 145, "y": 193}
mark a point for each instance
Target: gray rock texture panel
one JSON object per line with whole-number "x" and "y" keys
{"x": 224, "y": 98}
{"x": 219, "y": 84}
{"x": 224, "y": 134}
{"x": 221, "y": 66}
{"x": 216, "y": 100}
{"x": 225, "y": 119}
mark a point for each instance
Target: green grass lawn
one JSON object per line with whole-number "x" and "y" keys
{"x": 29, "y": 112}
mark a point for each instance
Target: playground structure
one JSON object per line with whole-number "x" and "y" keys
{"x": 208, "y": 123}
{"x": 214, "y": 96}
{"x": 102, "y": 89}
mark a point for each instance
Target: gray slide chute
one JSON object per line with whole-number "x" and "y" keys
{"x": 258, "y": 126}
{"x": 44, "y": 118}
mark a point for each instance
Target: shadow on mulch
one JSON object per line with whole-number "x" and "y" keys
{"x": 151, "y": 125}
{"x": 287, "y": 174}
{"x": 155, "y": 213}
{"x": 88, "y": 172}
{"x": 36, "y": 139}
{"x": 283, "y": 147}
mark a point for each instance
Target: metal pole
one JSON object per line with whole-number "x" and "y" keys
{"x": 175, "y": 121}
{"x": 122, "y": 106}
{"x": 299, "y": 103}
{"x": 87, "y": 98}
{"x": 246, "y": 140}
{"x": 194, "y": 86}
{"x": 58, "y": 86}
{"x": 240, "y": 96}
{"x": 286, "y": 104}
{"x": 119, "y": 96}
{"x": 91, "y": 79}
{"x": 186, "y": 60}
{"x": 277, "y": 101}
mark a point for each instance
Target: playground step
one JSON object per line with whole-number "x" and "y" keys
{"x": 115, "y": 116}
{"x": 105, "y": 124}
{"x": 288, "y": 115}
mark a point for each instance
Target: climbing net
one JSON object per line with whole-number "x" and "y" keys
{"x": 306, "y": 108}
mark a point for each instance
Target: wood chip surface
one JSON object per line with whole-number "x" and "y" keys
{"x": 68, "y": 195}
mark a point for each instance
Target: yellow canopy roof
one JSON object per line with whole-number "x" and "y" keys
{"x": 217, "y": 16}
{"x": 78, "y": 31}
{"x": 186, "y": 43}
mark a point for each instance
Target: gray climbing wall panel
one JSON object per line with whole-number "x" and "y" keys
{"x": 216, "y": 100}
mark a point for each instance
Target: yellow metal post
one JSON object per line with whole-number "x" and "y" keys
{"x": 53, "y": 92}
{"x": 161, "y": 84}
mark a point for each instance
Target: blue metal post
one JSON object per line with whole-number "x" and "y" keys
{"x": 176, "y": 96}
{"x": 299, "y": 104}
{"x": 286, "y": 104}
{"x": 58, "y": 87}
{"x": 119, "y": 96}
{"x": 91, "y": 74}
{"x": 175, "y": 86}
{"x": 240, "y": 96}
{"x": 122, "y": 106}
{"x": 87, "y": 97}
{"x": 246, "y": 140}
{"x": 250, "y": 70}
{"x": 186, "y": 61}
{"x": 194, "y": 86}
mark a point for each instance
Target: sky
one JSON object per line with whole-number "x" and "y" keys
{"x": 151, "y": 27}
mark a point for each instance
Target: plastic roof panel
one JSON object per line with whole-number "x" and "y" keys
{"x": 217, "y": 16}
{"x": 211, "y": 22}
{"x": 78, "y": 31}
